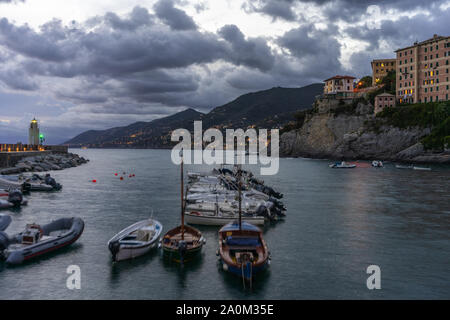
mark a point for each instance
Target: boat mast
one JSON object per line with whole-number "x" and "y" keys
{"x": 182, "y": 204}
{"x": 240, "y": 198}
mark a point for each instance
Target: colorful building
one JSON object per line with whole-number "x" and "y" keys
{"x": 384, "y": 100}
{"x": 423, "y": 71}
{"x": 380, "y": 69}
{"x": 340, "y": 87}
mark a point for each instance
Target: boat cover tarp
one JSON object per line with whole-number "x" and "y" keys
{"x": 235, "y": 226}
{"x": 248, "y": 242}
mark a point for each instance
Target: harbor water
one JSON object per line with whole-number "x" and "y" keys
{"x": 339, "y": 222}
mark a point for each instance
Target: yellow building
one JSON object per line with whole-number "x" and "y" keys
{"x": 380, "y": 69}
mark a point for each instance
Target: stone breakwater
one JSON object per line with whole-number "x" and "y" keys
{"x": 47, "y": 162}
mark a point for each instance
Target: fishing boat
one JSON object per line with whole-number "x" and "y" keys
{"x": 242, "y": 248}
{"x": 37, "y": 240}
{"x": 342, "y": 165}
{"x": 135, "y": 240}
{"x": 182, "y": 243}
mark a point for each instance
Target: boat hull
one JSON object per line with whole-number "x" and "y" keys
{"x": 219, "y": 221}
{"x": 134, "y": 252}
{"x": 15, "y": 257}
{"x": 174, "y": 255}
{"x": 248, "y": 273}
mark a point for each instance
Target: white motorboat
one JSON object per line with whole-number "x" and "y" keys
{"x": 399, "y": 166}
{"x": 135, "y": 240}
{"x": 211, "y": 218}
{"x": 342, "y": 165}
{"x": 422, "y": 168}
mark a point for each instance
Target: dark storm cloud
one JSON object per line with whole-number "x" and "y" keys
{"x": 18, "y": 80}
{"x": 348, "y": 10}
{"x": 402, "y": 32}
{"x": 177, "y": 19}
{"x": 52, "y": 44}
{"x": 252, "y": 52}
{"x": 276, "y": 9}
{"x": 317, "y": 49}
{"x": 138, "y": 17}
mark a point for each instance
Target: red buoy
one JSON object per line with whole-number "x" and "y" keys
{"x": 115, "y": 174}
{"x": 94, "y": 181}
{"x": 121, "y": 178}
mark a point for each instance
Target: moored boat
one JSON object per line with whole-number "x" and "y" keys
{"x": 135, "y": 240}
{"x": 422, "y": 168}
{"x": 182, "y": 243}
{"x": 342, "y": 165}
{"x": 211, "y": 218}
{"x": 242, "y": 248}
{"x": 37, "y": 240}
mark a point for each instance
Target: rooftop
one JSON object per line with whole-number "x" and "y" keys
{"x": 431, "y": 40}
{"x": 340, "y": 77}
{"x": 385, "y": 94}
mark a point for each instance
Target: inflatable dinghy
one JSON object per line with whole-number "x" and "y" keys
{"x": 37, "y": 240}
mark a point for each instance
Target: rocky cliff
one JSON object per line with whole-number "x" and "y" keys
{"x": 351, "y": 131}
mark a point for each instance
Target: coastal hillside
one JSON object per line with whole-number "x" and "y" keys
{"x": 270, "y": 108}
{"x": 409, "y": 133}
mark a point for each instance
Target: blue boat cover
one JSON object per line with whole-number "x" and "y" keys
{"x": 248, "y": 242}
{"x": 235, "y": 226}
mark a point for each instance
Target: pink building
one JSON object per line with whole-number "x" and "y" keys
{"x": 384, "y": 100}
{"x": 423, "y": 71}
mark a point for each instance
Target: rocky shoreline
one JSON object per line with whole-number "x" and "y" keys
{"x": 327, "y": 134}
{"x": 40, "y": 163}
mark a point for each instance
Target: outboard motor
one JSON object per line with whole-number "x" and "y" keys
{"x": 15, "y": 197}
{"x": 52, "y": 182}
{"x": 182, "y": 248}
{"x": 5, "y": 221}
{"x": 114, "y": 247}
{"x": 26, "y": 187}
{"x": 277, "y": 203}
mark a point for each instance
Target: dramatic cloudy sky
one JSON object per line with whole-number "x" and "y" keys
{"x": 78, "y": 65}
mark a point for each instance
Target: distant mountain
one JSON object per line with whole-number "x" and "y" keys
{"x": 270, "y": 108}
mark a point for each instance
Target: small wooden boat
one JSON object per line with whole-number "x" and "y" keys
{"x": 37, "y": 240}
{"x": 242, "y": 248}
{"x": 135, "y": 240}
{"x": 182, "y": 243}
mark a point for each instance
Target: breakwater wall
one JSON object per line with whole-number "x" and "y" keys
{"x": 11, "y": 154}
